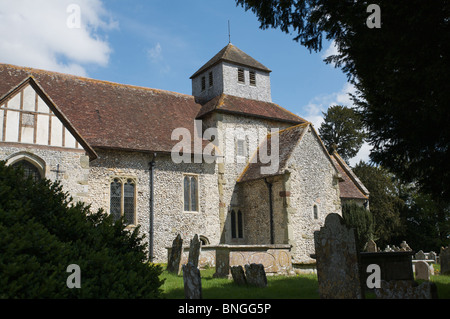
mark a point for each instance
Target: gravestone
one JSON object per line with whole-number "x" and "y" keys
{"x": 444, "y": 258}
{"x": 256, "y": 276}
{"x": 420, "y": 255}
{"x": 337, "y": 260}
{"x": 432, "y": 256}
{"x": 422, "y": 270}
{"x": 237, "y": 272}
{"x": 405, "y": 247}
{"x": 194, "y": 250}
{"x": 406, "y": 289}
{"x": 174, "y": 262}
{"x": 371, "y": 246}
{"x": 192, "y": 282}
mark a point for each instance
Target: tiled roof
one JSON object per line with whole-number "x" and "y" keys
{"x": 238, "y": 105}
{"x": 232, "y": 54}
{"x": 288, "y": 139}
{"x": 125, "y": 117}
{"x": 350, "y": 186}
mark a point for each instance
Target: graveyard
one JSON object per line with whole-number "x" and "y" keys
{"x": 341, "y": 272}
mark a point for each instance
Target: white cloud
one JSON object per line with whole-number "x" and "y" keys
{"x": 320, "y": 104}
{"x": 41, "y": 34}
{"x": 332, "y": 50}
{"x": 155, "y": 53}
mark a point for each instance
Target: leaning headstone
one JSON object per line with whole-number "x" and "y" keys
{"x": 174, "y": 262}
{"x": 422, "y": 270}
{"x": 192, "y": 282}
{"x": 420, "y": 255}
{"x": 406, "y": 289}
{"x": 371, "y": 246}
{"x": 194, "y": 250}
{"x": 337, "y": 260}
{"x": 256, "y": 275}
{"x": 237, "y": 272}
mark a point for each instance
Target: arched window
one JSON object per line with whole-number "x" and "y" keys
{"x": 190, "y": 184}
{"x": 316, "y": 212}
{"x": 123, "y": 199}
{"x": 29, "y": 169}
{"x": 237, "y": 225}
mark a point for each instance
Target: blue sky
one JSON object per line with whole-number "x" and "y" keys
{"x": 160, "y": 44}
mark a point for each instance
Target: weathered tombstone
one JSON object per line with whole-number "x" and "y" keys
{"x": 422, "y": 270}
{"x": 337, "y": 260}
{"x": 406, "y": 289}
{"x": 405, "y": 247}
{"x": 194, "y": 250}
{"x": 420, "y": 255}
{"x": 256, "y": 276}
{"x": 444, "y": 258}
{"x": 237, "y": 272}
{"x": 432, "y": 256}
{"x": 371, "y": 246}
{"x": 192, "y": 282}
{"x": 174, "y": 262}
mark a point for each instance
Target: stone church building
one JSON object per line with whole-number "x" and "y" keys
{"x": 270, "y": 181}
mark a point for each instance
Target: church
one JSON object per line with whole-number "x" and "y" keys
{"x": 225, "y": 163}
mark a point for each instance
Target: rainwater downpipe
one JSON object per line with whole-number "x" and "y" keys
{"x": 152, "y": 197}
{"x": 269, "y": 185}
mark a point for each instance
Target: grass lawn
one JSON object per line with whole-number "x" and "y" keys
{"x": 279, "y": 287}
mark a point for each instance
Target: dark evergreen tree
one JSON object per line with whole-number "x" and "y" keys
{"x": 385, "y": 203}
{"x": 343, "y": 131}
{"x": 42, "y": 232}
{"x": 400, "y": 71}
{"x": 361, "y": 220}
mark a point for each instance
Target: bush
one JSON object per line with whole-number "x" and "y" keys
{"x": 361, "y": 220}
{"x": 42, "y": 232}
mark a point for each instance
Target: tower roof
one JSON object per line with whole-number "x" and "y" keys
{"x": 232, "y": 54}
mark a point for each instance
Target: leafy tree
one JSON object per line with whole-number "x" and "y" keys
{"x": 385, "y": 203}
{"x": 342, "y": 130}
{"x": 399, "y": 70}
{"x": 426, "y": 221}
{"x": 361, "y": 220}
{"x": 42, "y": 232}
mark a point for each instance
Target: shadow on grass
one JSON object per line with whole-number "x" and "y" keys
{"x": 278, "y": 287}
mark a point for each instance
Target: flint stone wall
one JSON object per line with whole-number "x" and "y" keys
{"x": 170, "y": 218}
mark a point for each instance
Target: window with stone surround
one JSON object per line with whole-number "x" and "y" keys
{"x": 29, "y": 170}
{"x": 316, "y": 212}
{"x": 237, "y": 224}
{"x": 190, "y": 188}
{"x": 123, "y": 199}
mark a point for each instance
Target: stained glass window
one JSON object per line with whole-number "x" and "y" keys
{"x": 116, "y": 199}
{"x": 190, "y": 185}
{"x": 128, "y": 205}
{"x": 29, "y": 170}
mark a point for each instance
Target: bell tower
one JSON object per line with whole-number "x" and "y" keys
{"x": 232, "y": 72}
